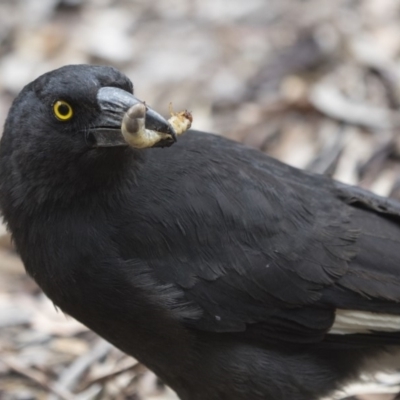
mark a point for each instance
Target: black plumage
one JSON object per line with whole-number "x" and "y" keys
{"x": 221, "y": 269}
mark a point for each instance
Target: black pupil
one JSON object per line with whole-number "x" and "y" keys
{"x": 63, "y": 109}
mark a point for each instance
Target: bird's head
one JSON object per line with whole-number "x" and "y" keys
{"x": 67, "y": 124}
{"x": 85, "y": 103}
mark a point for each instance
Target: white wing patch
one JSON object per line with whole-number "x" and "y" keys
{"x": 350, "y": 322}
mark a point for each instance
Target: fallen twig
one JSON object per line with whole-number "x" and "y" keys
{"x": 39, "y": 378}
{"x": 133, "y": 367}
{"x": 328, "y": 100}
{"x": 70, "y": 376}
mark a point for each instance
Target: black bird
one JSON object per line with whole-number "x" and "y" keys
{"x": 229, "y": 274}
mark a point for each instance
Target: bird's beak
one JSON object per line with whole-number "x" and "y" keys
{"x": 125, "y": 120}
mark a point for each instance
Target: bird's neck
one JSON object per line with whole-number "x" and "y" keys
{"x": 57, "y": 182}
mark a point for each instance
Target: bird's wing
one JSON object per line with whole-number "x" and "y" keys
{"x": 255, "y": 243}
{"x": 367, "y": 297}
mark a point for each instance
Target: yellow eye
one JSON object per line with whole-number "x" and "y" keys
{"x": 62, "y": 110}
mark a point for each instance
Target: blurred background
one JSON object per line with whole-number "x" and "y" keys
{"x": 315, "y": 83}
